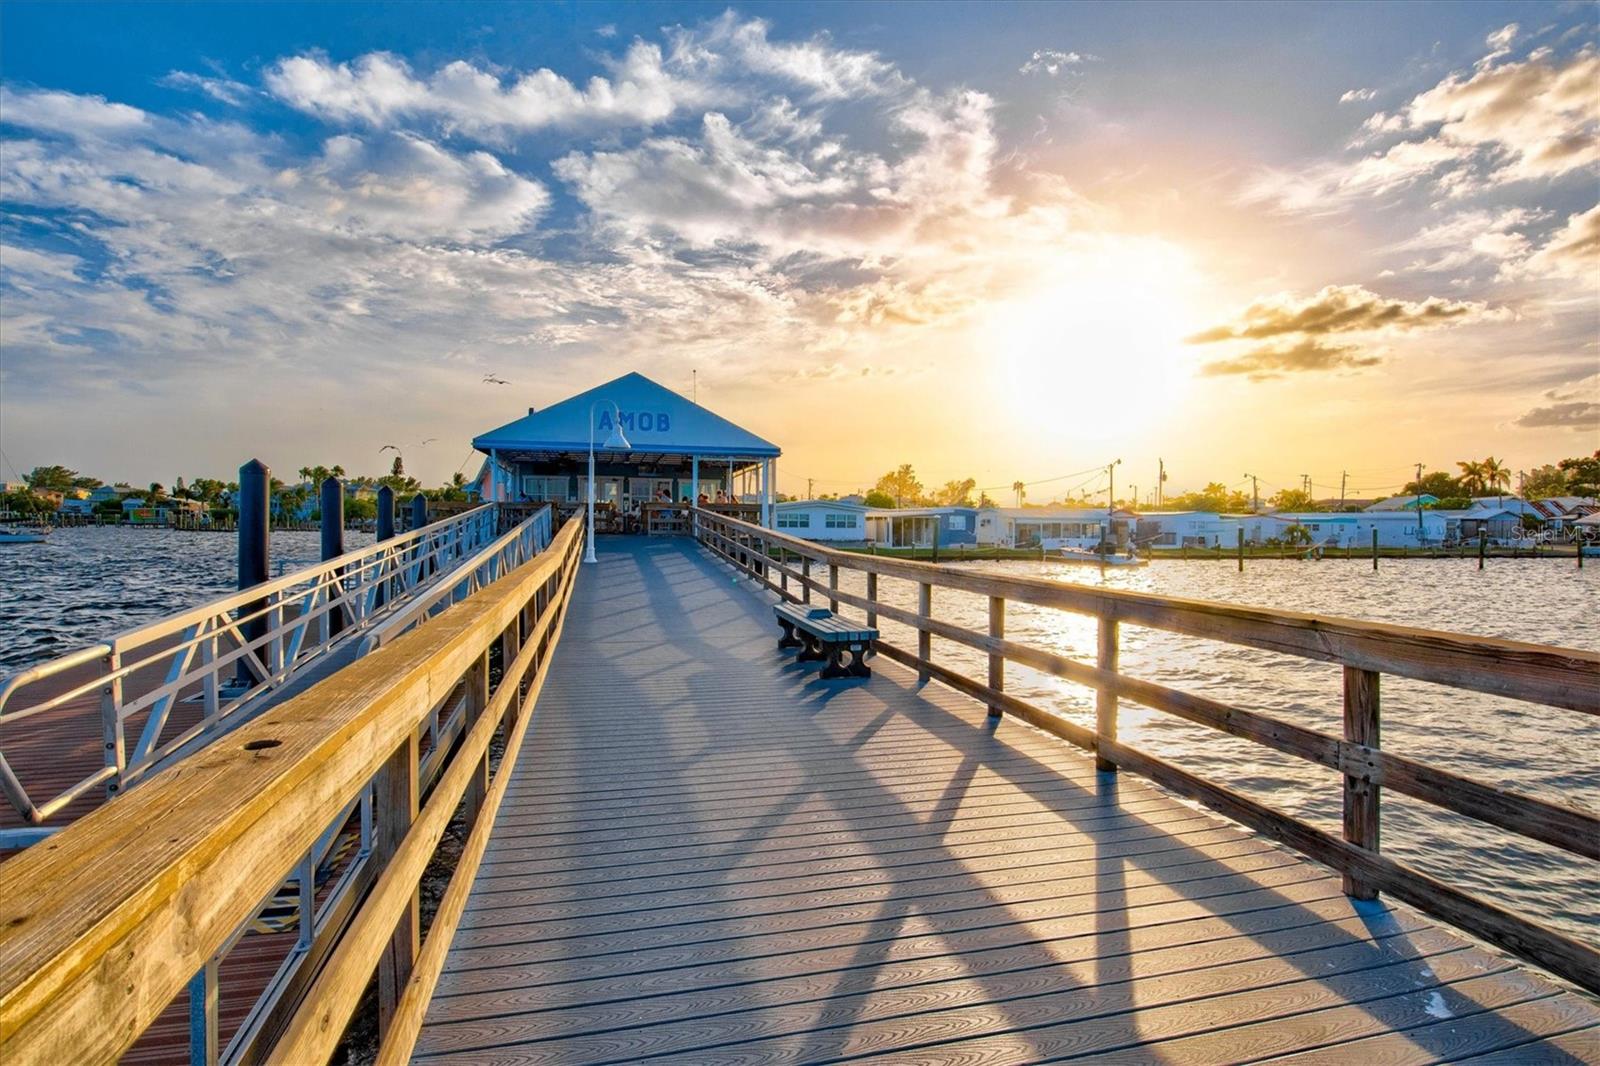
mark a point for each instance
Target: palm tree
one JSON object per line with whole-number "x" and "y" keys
{"x": 1021, "y": 489}
{"x": 1496, "y": 475}
{"x": 1471, "y": 477}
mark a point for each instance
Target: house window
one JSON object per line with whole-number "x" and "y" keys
{"x": 840, "y": 521}
{"x": 794, "y": 520}
{"x": 958, "y": 521}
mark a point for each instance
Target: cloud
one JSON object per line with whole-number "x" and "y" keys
{"x": 69, "y": 113}
{"x": 1358, "y": 95}
{"x": 1468, "y": 237}
{"x": 1342, "y": 309}
{"x": 830, "y": 73}
{"x": 380, "y": 89}
{"x": 1274, "y": 361}
{"x": 1505, "y": 120}
{"x": 608, "y": 30}
{"x": 1050, "y": 62}
{"x": 1580, "y": 415}
{"x": 224, "y": 90}
{"x": 1573, "y": 251}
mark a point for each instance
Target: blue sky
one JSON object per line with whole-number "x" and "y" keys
{"x": 992, "y": 240}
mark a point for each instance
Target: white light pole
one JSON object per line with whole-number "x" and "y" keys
{"x": 614, "y": 443}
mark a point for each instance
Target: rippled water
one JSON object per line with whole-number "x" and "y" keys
{"x": 86, "y": 584}
{"x": 1543, "y": 751}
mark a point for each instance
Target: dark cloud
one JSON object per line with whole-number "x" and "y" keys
{"x": 1578, "y": 414}
{"x": 1276, "y": 360}
{"x": 1341, "y": 309}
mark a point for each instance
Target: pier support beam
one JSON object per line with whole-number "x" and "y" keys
{"x": 255, "y": 508}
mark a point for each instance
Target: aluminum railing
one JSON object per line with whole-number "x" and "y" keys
{"x": 228, "y": 655}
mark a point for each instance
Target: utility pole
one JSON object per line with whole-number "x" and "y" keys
{"x": 1255, "y": 494}
{"x": 1111, "y": 507}
{"x": 1305, "y": 485}
{"x": 1419, "y": 505}
{"x": 694, "y": 387}
{"x": 1344, "y": 475}
{"x": 1161, "y": 480}
{"x": 808, "y": 489}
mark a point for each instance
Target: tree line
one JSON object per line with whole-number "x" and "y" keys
{"x": 1577, "y": 476}
{"x": 217, "y": 495}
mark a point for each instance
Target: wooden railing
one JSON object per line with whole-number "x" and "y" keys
{"x": 1555, "y": 677}
{"x": 103, "y": 926}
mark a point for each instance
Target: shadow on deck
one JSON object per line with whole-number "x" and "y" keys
{"x": 708, "y": 854}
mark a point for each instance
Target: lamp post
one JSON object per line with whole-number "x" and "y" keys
{"x": 615, "y": 442}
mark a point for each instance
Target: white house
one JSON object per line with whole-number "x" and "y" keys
{"x": 922, "y": 527}
{"x": 1045, "y": 527}
{"x": 821, "y": 520}
{"x": 1184, "y": 529}
{"x": 1405, "y": 501}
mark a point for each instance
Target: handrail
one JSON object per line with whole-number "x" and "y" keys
{"x": 1560, "y": 677}
{"x": 77, "y": 932}
{"x": 263, "y": 636}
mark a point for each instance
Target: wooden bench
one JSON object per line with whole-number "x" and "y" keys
{"x": 823, "y": 636}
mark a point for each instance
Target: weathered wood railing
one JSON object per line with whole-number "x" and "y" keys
{"x": 1556, "y": 677}
{"x": 105, "y": 924}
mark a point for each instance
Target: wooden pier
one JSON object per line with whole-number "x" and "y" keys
{"x": 693, "y": 849}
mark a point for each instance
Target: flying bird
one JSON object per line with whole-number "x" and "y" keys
{"x": 427, "y": 441}
{"x": 490, "y": 379}
{"x": 388, "y": 448}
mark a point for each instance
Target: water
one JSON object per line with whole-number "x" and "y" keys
{"x": 88, "y": 583}
{"x": 1542, "y": 751}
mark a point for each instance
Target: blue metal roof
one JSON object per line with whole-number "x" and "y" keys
{"x": 655, "y": 420}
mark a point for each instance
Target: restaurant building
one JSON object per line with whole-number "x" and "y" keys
{"x": 668, "y": 446}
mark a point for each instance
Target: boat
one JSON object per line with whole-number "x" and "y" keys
{"x": 19, "y": 535}
{"x": 1094, "y": 558}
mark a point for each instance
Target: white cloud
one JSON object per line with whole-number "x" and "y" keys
{"x": 1358, "y": 96}
{"x": 224, "y": 90}
{"x": 1573, "y": 251}
{"x": 1505, "y": 120}
{"x": 1050, "y": 62}
{"x": 746, "y": 45}
{"x": 380, "y": 89}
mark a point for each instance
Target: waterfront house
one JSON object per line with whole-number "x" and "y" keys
{"x": 1046, "y": 527}
{"x": 822, "y": 520}
{"x": 922, "y": 527}
{"x": 1183, "y": 529}
{"x": 81, "y": 506}
{"x": 110, "y": 493}
{"x": 674, "y": 447}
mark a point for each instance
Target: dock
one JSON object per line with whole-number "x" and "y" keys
{"x": 708, "y": 855}
{"x": 694, "y": 849}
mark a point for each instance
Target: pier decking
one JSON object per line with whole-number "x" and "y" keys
{"x": 706, "y": 854}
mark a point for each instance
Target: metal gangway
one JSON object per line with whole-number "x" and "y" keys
{"x": 158, "y": 693}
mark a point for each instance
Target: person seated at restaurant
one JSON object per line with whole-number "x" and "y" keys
{"x": 722, "y": 497}
{"x": 703, "y": 499}
{"x": 663, "y": 496}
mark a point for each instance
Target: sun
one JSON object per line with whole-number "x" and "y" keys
{"x": 1094, "y": 350}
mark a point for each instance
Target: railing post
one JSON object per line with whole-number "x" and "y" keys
{"x": 116, "y": 748}
{"x": 872, "y": 600}
{"x": 203, "y": 1038}
{"x": 833, "y": 587}
{"x": 805, "y": 579}
{"x": 477, "y": 682}
{"x": 997, "y": 662}
{"x": 1361, "y": 794}
{"x": 924, "y": 637}
{"x": 396, "y": 799}
{"x": 1105, "y": 701}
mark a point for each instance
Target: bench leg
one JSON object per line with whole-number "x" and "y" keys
{"x": 812, "y": 652}
{"x": 834, "y": 669}
{"x": 788, "y": 640}
{"x": 858, "y": 666}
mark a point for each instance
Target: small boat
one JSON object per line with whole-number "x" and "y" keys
{"x": 1094, "y": 558}
{"x": 19, "y": 535}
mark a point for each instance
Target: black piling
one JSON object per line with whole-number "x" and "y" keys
{"x": 255, "y": 509}
{"x": 333, "y": 542}
{"x": 385, "y": 532}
